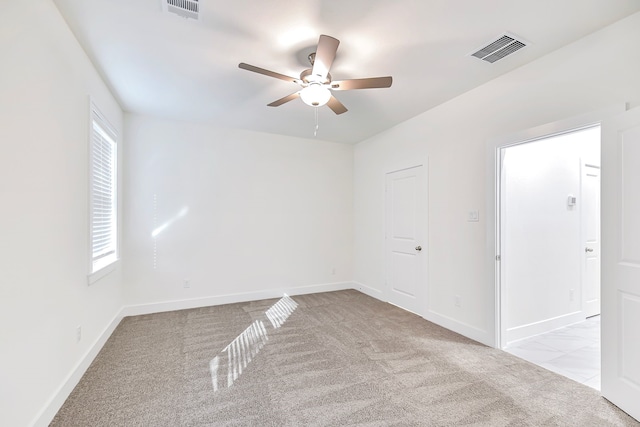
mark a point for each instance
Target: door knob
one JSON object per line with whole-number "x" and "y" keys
{"x": 418, "y": 248}
{"x": 588, "y": 250}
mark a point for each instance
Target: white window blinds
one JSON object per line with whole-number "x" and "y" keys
{"x": 103, "y": 194}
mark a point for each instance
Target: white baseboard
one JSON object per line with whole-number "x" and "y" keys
{"x": 437, "y": 318}
{"x": 461, "y": 328}
{"x": 536, "y": 328}
{"x": 158, "y": 307}
{"x": 372, "y": 292}
{"x": 55, "y": 403}
{"x": 46, "y": 415}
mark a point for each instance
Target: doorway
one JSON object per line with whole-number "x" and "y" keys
{"x": 405, "y": 234}
{"x": 549, "y": 230}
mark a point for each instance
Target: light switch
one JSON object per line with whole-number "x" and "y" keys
{"x": 474, "y": 216}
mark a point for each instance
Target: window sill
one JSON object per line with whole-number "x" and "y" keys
{"x": 104, "y": 271}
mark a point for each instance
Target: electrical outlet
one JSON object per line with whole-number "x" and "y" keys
{"x": 572, "y": 294}
{"x": 79, "y": 334}
{"x": 333, "y": 271}
{"x": 186, "y": 283}
{"x": 456, "y": 300}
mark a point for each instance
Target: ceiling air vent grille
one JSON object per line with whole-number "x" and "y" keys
{"x": 184, "y": 8}
{"x": 505, "y": 45}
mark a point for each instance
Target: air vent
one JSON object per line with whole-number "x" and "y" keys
{"x": 184, "y": 8}
{"x": 505, "y": 45}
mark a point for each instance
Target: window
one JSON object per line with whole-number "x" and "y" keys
{"x": 102, "y": 193}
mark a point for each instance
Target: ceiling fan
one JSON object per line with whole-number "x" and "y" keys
{"x": 316, "y": 82}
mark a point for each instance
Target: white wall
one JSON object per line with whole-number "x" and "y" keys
{"x": 45, "y": 83}
{"x": 242, "y": 215}
{"x": 264, "y": 213}
{"x": 590, "y": 74}
{"x": 542, "y": 247}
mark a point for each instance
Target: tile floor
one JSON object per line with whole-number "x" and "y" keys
{"x": 573, "y": 351}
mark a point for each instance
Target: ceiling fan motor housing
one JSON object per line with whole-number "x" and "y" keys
{"x": 307, "y": 77}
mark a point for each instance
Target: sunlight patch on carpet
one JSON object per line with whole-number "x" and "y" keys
{"x": 227, "y": 366}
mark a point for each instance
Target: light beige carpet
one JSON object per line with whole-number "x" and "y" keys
{"x": 338, "y": 359}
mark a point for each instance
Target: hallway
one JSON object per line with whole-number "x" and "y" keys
{"x": 572, "y": 351}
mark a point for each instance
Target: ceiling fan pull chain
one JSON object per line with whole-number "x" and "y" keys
{"x": 315, "y": 132}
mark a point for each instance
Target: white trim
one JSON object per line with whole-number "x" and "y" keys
{"x": 493, "y": 147}
{"x": 106, "y": 129}
{"x": 367, "y": 290}
{"x": 162, "y": 306}
{"x": 398, "y": 166}
{"x": 45, "y": 416}
{"x": 51, "y": 408}
{"x": 536, "y": 328}
{"x": 104, "y": 271}
{"x": 93, "y": 109}
{"x": 469, "y": 331}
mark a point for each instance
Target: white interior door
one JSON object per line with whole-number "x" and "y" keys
{"x": 621, "y": 261}
{"x": 406, "y": 244}
{"x": 590, "y": 219}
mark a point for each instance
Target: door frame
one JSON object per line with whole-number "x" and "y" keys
{"x": 397, "y": 166}
{"x": 494, "y": 149}
{"x": 583, "y": 274}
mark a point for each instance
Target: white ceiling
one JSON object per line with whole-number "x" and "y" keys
{"x": 167, "y": 66}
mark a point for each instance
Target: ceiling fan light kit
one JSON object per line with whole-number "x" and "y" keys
{"x": 316, "y": 82}
{"x": 315, "y": 95}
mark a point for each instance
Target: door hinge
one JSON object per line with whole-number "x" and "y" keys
{"x": 497, "y": 257}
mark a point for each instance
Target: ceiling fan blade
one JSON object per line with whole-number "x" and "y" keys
{"x": 267, "y": 72}
{"x": 285, "y": 99}
{"x": 370, "y": 83}
{"x": 336, "y": 105}
{"x": 325, "y": 54}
